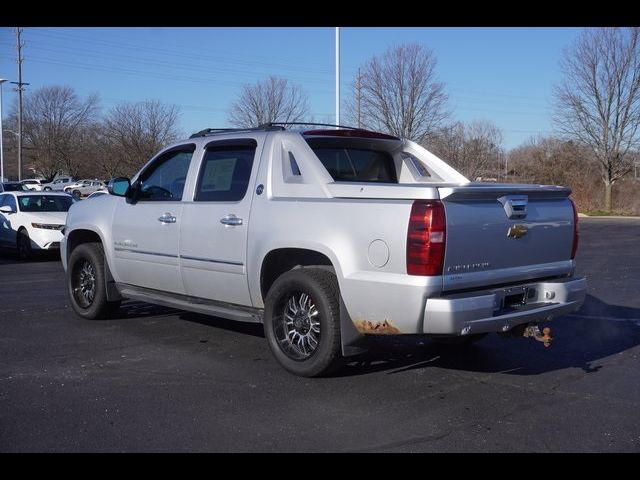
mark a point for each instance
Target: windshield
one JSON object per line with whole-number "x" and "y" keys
{"x": 44, "y": 203}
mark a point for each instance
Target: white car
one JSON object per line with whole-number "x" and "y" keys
{"x": 35, "y": 184}
{"x": 32, "y": 221}
{"x": 97, "y": 194}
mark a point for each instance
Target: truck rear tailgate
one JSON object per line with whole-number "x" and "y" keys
{"x": 505, "y": 233}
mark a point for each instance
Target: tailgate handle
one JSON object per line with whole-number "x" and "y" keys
{"x": 515, "y": 206}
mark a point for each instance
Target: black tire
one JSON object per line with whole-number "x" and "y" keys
{"x": 76, "y": 194}
{"x": 318, "y": 318}
{"x": 86, "y": 283}
{"x": 461, "y": 341}
{"x": 23, "y": 244}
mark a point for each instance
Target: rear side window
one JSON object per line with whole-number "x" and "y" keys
{"x": 225, "y": 172}
{"x": 350, "y": 161}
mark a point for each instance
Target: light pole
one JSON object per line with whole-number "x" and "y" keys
{"x": 2, "y": 80}
{"x": 337, "y": 75}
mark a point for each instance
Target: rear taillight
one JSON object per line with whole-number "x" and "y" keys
{"x": 576, "y": 230}
{"x": 426, "y": 238}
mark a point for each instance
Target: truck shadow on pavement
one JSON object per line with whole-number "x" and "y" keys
{"x": 9, "y": 257}
{"x": 581, "y": 340}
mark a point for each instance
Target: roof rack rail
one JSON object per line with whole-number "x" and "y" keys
{"x": 271, "y": 124}
{"x": 214, "y": 131}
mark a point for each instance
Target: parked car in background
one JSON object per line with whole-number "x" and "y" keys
{"x": 35, "y": 184}
{"x": 32, "y": 221}
{"x": 13, "y": 187}
{"x": 85, "y": 187}
{"x": 58, "y": 184}
{"x": 97, "y": 193}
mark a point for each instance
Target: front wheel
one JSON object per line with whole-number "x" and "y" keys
{"x": 86, "y": 282}
{"x": 25, "y": 251}
{"x": 302, "y": 321}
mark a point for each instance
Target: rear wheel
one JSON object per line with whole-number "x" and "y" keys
{"x": 302, "y": 321}
{"x": 25, "y": 252}
{"x": 86, "y": 282}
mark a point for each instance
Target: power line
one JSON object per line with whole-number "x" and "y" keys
{"x": 200, "y": 56}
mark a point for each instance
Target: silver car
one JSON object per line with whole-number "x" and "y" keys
{"x": 58, "y": 184}
{"x": 85, "y": 187}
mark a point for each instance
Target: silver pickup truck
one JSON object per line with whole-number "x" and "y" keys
{"x": 325, "y": 236}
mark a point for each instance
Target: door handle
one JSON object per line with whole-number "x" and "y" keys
{"x": 231, "y": 219}
{"x": 167, "y": 218}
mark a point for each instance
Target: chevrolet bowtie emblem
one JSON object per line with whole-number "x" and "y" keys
{"x": 517, "y": 231}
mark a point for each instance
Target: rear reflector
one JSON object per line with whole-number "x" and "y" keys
{"x": 576, "y": 231}
{"x": 426, "y": 238}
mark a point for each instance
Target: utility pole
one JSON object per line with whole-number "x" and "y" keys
{"x": 20, "y": 87}
{"x": 2, "y": 80}
{"x": 359, "y": 98}
{"x": 337, "y": 75}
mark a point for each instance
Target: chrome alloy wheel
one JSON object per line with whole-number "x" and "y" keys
{"x": 84, "y": 283}
{"x": 298, "y": 328}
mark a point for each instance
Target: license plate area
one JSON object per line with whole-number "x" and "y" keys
{"x": 516, "y": 297}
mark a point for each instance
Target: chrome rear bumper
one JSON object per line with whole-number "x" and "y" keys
{"x": 501, "y": 309}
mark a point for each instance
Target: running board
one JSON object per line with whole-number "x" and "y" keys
{"x": 191, "y": 304}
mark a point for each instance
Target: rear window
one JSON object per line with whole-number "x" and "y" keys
{"x": 350, "y": 160}
{"x": 44, "y": 203}
{"x": 14, "y": 187}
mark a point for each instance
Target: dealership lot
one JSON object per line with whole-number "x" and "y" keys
{"x": 158, "y": 379}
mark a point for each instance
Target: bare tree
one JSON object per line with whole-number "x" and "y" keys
{"x": 353, "y": 104}
{"x": 598, "y": 102}
{"x": 475, "y": 149}
{"x": 54, "y": 121}
{"x": 553, "y": 161}
{"x": 271, "y": 100}
{"x": 133, "y": 132}
{"x": 399, "y": 93}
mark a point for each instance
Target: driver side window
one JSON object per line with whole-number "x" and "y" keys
{"x": 164, "y": 179}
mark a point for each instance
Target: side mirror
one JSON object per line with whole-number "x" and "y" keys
{"x": 119, "y": 186}
{"x": 6, "y": 209}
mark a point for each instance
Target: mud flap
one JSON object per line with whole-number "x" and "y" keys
{"x": 112, "y": 292}
{"x": 348, "y": 334}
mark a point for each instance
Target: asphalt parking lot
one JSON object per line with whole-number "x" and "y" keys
{"x": 162, "y": 380}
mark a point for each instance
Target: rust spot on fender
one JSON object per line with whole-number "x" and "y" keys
{"x": 368, "y": 327}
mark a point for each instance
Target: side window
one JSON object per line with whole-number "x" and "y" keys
{"x": 225, "y": 171}
{"x": 10, "y": 201}
{"x": 164, "y": 179}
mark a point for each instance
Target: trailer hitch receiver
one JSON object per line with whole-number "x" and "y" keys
{"x": 534, "y": 331}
